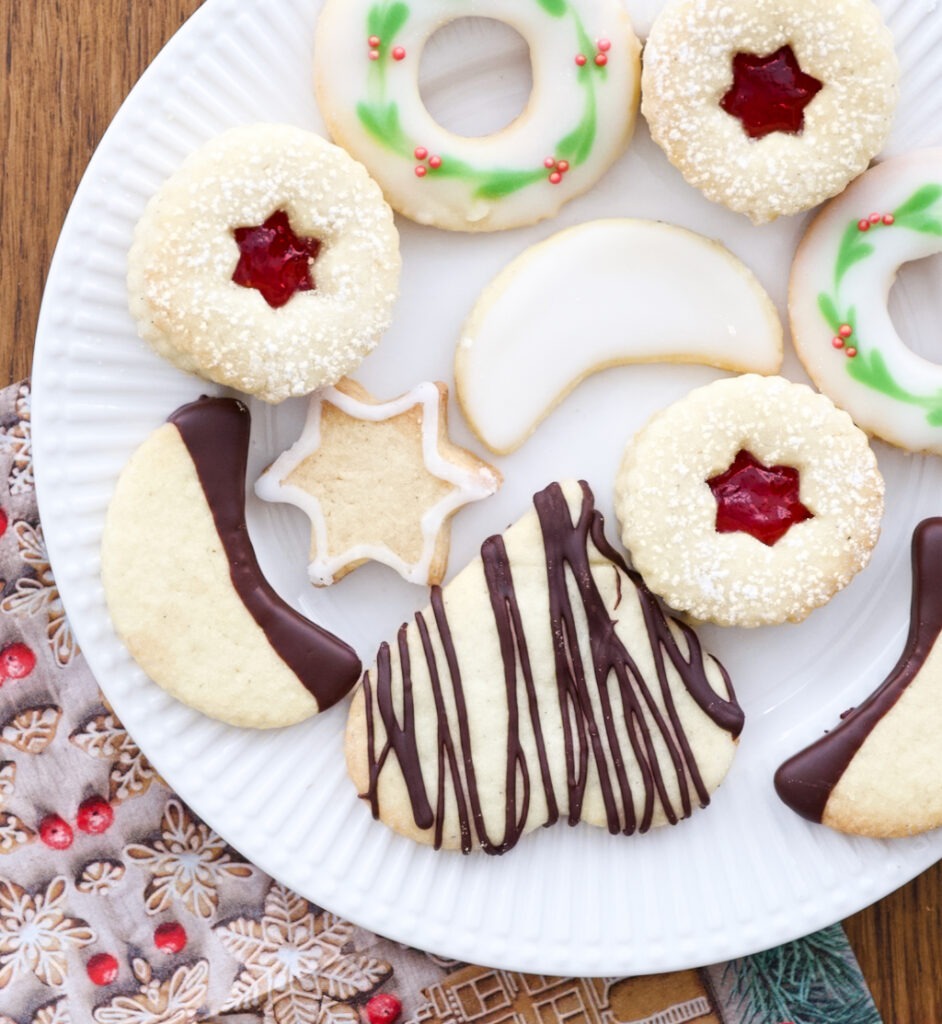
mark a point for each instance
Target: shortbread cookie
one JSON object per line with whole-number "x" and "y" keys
{"x": 750, "y": 502}
{"x": 380, "y": 481}
{"x": 544, "y": 683}
{"x": 769, "y": 106}
{"x": 876, "y": 773}
{"x": 269, "y": 262}
{"x": 841, "y": 280}
{"x": 185, "y": 591}
{"x": 581, "y": 113}
{"x": 624, "y": 291}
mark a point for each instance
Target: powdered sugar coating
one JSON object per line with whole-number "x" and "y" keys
{"x": 668, "y": 512}
{"x": 184, "y": 253}
{"x": 688, "y": 69}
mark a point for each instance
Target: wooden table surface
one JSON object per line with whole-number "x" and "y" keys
{"x": 69, "y": 64}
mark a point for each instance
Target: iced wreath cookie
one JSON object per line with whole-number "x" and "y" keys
{"x": 750, "y": 502}
{"x": 581, "y": 112}
{"x": 268, "y": 262}
{"x": 178, "y": 567}
{"x": 769, "y": 106}
{"x": 877, "y": 771}
{"x": 624, "y": 291}
{"x": 544, "y": 683}
{"x": 379, "y": 480}
{"x": 840, "y": 284}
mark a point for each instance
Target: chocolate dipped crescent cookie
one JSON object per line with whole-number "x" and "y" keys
{"x": 543, "y": 683}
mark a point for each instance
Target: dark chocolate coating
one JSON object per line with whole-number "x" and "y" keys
{"x": 216, "y": 434}
{"x": 806, "y": 780}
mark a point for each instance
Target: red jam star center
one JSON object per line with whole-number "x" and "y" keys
{"x": 274, "y": 260}
{"x": 769, "y": 94}
{"x": 756, "y": 499}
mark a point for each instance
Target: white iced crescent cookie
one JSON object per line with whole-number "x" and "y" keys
{"x": 769, "y": 106}
{"x": 840, "y": 284}
{"x": 268, "y": 262}
{"x": 625, "y": 291}
{"x": 586, "y": 73}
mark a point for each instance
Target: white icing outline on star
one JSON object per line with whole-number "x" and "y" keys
{"x": 469, "y": 485}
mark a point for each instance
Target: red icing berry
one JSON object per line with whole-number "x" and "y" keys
{"x": 55, "y": 832}
{"x": 555, "y": 178}
{"x": 275, "y": 260}
{"x": 374, "y": 42}
{"x": 755, "y": 499}
{"x": 562, "y": 166}
{"x": 16, "y": 661}
{"x": 435, "y": 162}
{"x": 845, "y": 330}
{"x": 863, "y": 225}
{"x": 421, "y": 171}
{"x": 549, "y": 163}
{"x": 769, "y": 93}
{"x": 102, "y": 968}
{"x": 850, "y": 353}
{"x": 399, "y": 53}
{"x": 170, "y": 937}
{"x": 374, "y": 54}
{"x": 601, "y": 59}
{"x": 604, "y": 45}
{"x": 875, "y": 218}
{"x": 581, "y": 59}
{"x": 383, "y": 1009}
{"x": 421, "y": 152}
{"x": 889, "y": 219}
{"x": 837, "y": 342}
{"x": 95, "y": 815}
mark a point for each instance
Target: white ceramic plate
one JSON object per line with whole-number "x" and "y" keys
{"x": 743, "y": 875}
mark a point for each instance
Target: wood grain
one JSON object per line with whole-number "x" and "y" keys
{"x": 68, "y": 66}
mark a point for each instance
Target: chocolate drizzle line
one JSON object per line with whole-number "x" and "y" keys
{"x": 806, "y": 780}
{"x": 590, "y": 697}
{"x": 216, "y": 434}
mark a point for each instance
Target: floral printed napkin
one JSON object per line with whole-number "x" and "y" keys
{"x": 119, "y": 906}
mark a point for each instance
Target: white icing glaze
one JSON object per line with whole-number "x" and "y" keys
{"x": 465, "y": 192}
{"x": 468, "y": 484}
{"x": 903, "y": 409}
{"x": 616, "y": 285}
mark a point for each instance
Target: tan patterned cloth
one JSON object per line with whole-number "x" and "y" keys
{"x": 79, "y": 915}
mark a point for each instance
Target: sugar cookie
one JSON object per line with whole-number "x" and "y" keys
{"x": 269, "y": 262}
{"x": 624, "y": 291}
{"x": 544, "y": 683}
{"x": 840, "y": 283}
{"x": 582, "y": 109}
{"x": 380, "y": 481}
{"x": 769, "y": 106}
{"x": 876, "y": 773}
{"x": 750, "y": 502}
{"x": 185, "y": 591}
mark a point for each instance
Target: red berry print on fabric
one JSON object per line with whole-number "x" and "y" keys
{"x": 756, "y": 499}
{"x": 769, "y": 94}
{"x": 102, "y": 969}
{"x": 4, "y": 521}
{"x": 56, "y": 832}
{"x": 16, "y": 662}
{"x": 170, "y": 937}
{"x": 383, "y": 1009}
{"x": 95, "y": 815}
{"x": 274, "y": 260}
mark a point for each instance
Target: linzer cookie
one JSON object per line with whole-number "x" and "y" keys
{"x": 268, "y": 262}
{"x": 769, "y": 106}
{"x": 185, "y": 591}
{"x": 749, "y": 502}
{"x": 379, "y": 481}
{"x": 543, "y": 683}
{"x": 876, "y": 773}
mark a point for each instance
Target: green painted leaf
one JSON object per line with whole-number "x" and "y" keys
{"x": 921, "y": 199}
{"x": 374, "y": 20}
{"x": 871, "y": 370}
{"x": 396, "y": 16}
{"x": 934, "y": 416}
{"x": 829, "y": 312}
{"x": 852, "y": 250}
{"x": 555, "y": 8}
{"x": 577, "y": 145}
{"x": 381, "y": 120}
{"x": 502, "y": 183}
{"x": 923, "y": 223}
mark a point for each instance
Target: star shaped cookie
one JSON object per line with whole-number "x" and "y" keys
{"x": 379, "y": 481}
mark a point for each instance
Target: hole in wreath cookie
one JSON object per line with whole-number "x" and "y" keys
{"x": 914, "y": 306}
{"x": 756, "y": 499}
{"x": 274, "y": 260}
{"x": 769, "y": 93}
{"x": 475, "y": 76}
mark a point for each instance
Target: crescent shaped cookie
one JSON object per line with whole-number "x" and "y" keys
{"x": 544, "y": 683}
{"x": 624, "y": 291}
{"x": 877, "y": 772}
{"x": 185, "y": 590}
